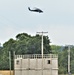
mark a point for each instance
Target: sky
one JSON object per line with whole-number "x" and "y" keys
{"x": 57, "y": 19}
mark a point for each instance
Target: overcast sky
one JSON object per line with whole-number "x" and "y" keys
{"x": 57, "y": 19}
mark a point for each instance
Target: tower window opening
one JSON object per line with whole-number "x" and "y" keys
{"x": 17, "y": 62}
{"x": 48, "y": 62}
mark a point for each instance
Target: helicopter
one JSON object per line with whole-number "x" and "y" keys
{"x": 35, "y": 10}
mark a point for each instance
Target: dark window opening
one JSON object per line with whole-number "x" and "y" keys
{"x": 17, "y": 62}
{"x": 48, "y": 62}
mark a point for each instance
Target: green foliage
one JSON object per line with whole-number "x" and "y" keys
{"x": 27, "y": 44}
{"x": 62, "y": 52}
{"x": 56, "y": 49}
{"x": 24, "y": 44}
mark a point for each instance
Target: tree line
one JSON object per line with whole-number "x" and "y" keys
{"x": 27, "y": 44}
{"x": 62, "y": 52}
{"x": 23, "y": 44}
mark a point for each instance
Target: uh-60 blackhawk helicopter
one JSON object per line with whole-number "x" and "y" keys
{"x": 35, "y": 10}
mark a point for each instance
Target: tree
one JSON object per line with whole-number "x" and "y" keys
{"x": 24, "y": 44}
{"x": 32, "y": 44}
{"x": 7, "y": 46}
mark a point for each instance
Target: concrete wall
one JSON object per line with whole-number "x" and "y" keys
{"x": 36, "y": 66}
{"x": 33, "y": 72}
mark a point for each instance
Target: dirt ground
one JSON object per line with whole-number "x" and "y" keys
{"x": 5, "y": 72}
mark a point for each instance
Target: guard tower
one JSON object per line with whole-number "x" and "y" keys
{"x": 36, "y": 65}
